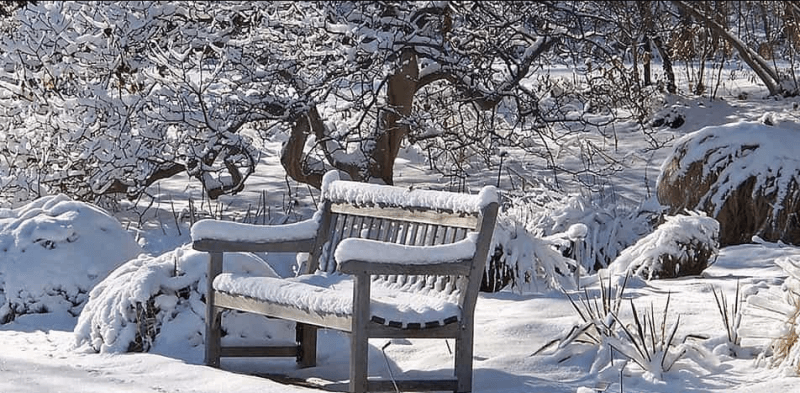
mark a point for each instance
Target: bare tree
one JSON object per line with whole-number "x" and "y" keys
{"x": 413, "y": 68}
{"x": 766, "y": 72}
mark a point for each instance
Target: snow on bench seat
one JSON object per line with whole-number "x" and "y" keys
{"x": 332, "y": 294}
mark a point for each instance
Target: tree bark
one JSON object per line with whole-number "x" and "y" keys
{"x": 400, "y": 91}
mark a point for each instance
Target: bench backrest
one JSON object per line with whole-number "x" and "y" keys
{"x": 406, "y": 216}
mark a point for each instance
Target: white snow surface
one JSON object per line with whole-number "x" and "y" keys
{"x": 357, "y": 249}
{"x": 236, "y": 231}
{"x": 54, "y": 352}
{"x": 332, "y": 294}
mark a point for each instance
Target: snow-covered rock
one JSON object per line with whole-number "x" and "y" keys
{"x": 744, "y": 174}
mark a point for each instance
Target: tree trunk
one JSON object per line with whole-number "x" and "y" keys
{"x": 753, "y": 59}
{"x": 400, "y": 91}
{"x": 666, "y": 64}
{"x": 646, "y": 61}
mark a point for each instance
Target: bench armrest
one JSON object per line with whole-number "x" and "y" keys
{"x": 214, "y": 235}
{"x": 376, "y": 257}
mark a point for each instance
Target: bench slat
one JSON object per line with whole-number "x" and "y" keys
{"x": 258, "y": 351}
{"x": 242, "y": 303}
{"x": 212, "y": 245}
{"x": 422, "y": 385}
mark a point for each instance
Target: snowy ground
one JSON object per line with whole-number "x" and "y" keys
{"x": 38, "y": 352}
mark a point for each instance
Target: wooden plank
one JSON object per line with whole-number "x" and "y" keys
{"x": 323, "y": 235}
{"x": 259, "y": 351}
{"x": 382, "y": 331}
{"x": 355, "y": 266}
{"x": 213, "y": 245}
{"x": 420, "y": 216}
{"x": 416, "y": 385}
{"x": 307, "y": 336}
{"x": 242, "y": 303}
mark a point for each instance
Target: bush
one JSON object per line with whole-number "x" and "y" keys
{"x": 681, "y": 246}
{"x": 159, "y": 301}
{"x": 53, "y": 251}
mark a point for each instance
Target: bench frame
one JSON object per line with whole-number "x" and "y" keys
{"x": 360, "y": 327}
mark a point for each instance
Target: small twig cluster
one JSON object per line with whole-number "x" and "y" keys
{"x": 731, "y": 316}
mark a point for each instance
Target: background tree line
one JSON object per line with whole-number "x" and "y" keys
{"x": 99, "y": 100}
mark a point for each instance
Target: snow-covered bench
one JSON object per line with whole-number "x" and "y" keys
{"x": 383, "y": 262}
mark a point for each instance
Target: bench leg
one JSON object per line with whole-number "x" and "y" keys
{"x": 463, "y": 360}
{"x": 359, "y": 341}
{"x": 358, "y": 363}
{"x": 213, "y": 314}
{"x": 213, "y": 336}
{"x": 307, "y": 338}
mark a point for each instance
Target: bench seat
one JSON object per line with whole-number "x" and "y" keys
{"x": 325, "y": 294}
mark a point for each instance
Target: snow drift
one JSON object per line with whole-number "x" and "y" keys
{"x": 52, "y": 253}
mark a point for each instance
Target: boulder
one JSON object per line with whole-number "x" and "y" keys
{"x": 745, "y": 175}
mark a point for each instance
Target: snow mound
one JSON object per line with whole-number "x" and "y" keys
{"x": 157, "y": 304}
{"x": 681, "y": 246}
{"x": 53, "y": 251}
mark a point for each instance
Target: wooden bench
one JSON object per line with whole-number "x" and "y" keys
{"x": 383, "y": 262}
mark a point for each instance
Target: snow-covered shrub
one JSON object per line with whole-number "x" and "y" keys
{"x": 745, "y": 175}
{"x": 683, "y": 245}
{"x": 610, "y": 227}
{"x": 158, "y": 303}
{"x": 52, "y": 253}
{"x": 526, "y": 262}
{"x": 776, "y": 316}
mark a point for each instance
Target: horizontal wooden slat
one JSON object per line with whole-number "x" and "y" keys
{"x": 382, "y": 331}
{"x": 242, "y": 303}
{"x": 367, "y": 267}
{"x": 259, "y": 351}
{"x": 214, "y": 245}
{"x": 420, "y": 216}
{"x": 418, "y": 385}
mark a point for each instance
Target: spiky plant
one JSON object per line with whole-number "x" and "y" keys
{"x": 648, "y": 343}
{"x": 731, "y": 316}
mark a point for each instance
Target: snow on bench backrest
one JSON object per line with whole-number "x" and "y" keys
{"x": 399, "y": 215}
{"x": 365, "y": 194}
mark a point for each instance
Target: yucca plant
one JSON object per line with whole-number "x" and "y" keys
{"x": 648, "y": 343}
{"x": 595, "y": 314}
